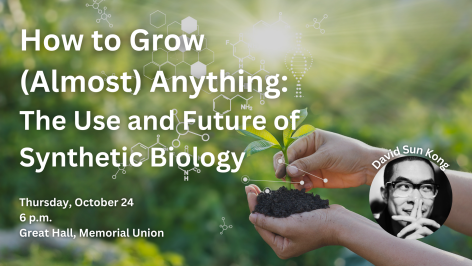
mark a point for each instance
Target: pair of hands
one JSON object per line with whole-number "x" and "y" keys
{"x": 417, "y": 228}
{"x": 343, "y": 160}
{"x": 288, "y": 236}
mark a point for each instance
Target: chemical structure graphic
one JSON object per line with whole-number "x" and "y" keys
{"x": 180, "y": 62}
{"x": 103, "y": 72}
{"x": 261, "y": 72}
{"x": 196, "y": 169}
{"x": 298, "y": 63}
{"x": 222, "y": 98}
{"x": 104, "y": 16}
{"x": 176, "y": 142}
{"x": 223, "y": 226}
{"x": 102, "y": 12}
{"x": 279, "y": 22}
{"x": 95, "y": 4}
{"x": 317, "y": 24}
{"x": 144, "y": 150}
{"x": 241, "y": 50}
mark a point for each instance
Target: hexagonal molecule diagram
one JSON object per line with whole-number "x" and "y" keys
{"x": 189, "y": 25}
{"x": 160, "y": 56}
{"x": 206, "y": 56}
{"x": 143, "y": 150}
{"x": 102, "y": 12}
{"x": 157, "y": 19}
{"x": 317, "y": 24}
{"x": 224, "y": 227}
{"x": 150, "y": 70}
{"x": 180, "y": 61}
{"x": 241, "y": 50}
{"x": 182, "y": 45}
{"x": 168, "y": 69}
{"x": 198, "y": 70}
{"x": 222, "y": 104}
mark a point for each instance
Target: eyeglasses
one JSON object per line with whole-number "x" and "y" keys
{"x": 403, "y": 189}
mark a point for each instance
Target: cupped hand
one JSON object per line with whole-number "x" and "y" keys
{"x": 417, "y": 228}
{"x": 298, "y": 233}
{"x": 343, "y": 161}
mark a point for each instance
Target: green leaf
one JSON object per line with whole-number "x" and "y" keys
{"x": 259, "y": 134}
{"x": 259, "y": 145}
{"x": 303, "y": 131}
{"x": 288, "y": 131}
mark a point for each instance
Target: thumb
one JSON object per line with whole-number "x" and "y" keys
{"x": 307, "y": 164}
{"x": 274, "y": 225}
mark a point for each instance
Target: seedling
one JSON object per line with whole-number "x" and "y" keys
{"x": 267, "y": 140}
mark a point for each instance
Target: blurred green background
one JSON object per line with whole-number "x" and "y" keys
{"x": 385, "y": 72}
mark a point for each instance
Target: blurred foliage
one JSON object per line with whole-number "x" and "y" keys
{"x": 38, "y": 257}
{"x": 141, "y": 252}
{"x": 132, "y": 252}
{"x": 386, "y": 72}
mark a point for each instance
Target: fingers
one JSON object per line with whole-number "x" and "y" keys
{"x": 403, "y": 218}
{"x": 303, "y": 147}
{"x": 276, "y": 242}
{"x": 420, "y": 233}
{"x": 408, "y": 229}
{"x": 275, "y": 225}
{"x": 415, "y": 209}
{"x": 425, "y": 221}
{"x": 279, "y": 167}
{"x": 307, "y": 164}
{"x": 419, "y": 211}
{"x": 252, "y": 191}
{"x": 424, "y": 231}
{"x": 253, "y": 188}
{"x": 303, "y": 156}
{"x": 421, "y": 221}
{"x": 418, "y": 228}
{"x": 307, "y": 183}
{"x": 280, "y": 172}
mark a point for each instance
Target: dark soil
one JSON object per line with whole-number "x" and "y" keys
{"x": 282, "y": 203}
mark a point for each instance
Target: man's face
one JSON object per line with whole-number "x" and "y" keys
{"x": 415, "y": 172}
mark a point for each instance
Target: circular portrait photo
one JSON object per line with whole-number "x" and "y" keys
{"x": 410, "y": 197}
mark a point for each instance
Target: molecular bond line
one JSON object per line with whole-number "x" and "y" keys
{"x": 180, "y": 62}
{"x": 325, "y": 180}
{"x": 245, "y": 180}
{"x": 102, "y": 12}
{"x": 144, "y": 150}
{"x": 144, "y": 155}
{"x": 317, "y": 24}
{"x": 224, "y": 226}
{"x": 195, "y": 169}
{"x": 176, "y": 142}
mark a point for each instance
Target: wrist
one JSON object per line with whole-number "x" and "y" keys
{"x": 347, "y": 225}
{"x": 337, "y": 224}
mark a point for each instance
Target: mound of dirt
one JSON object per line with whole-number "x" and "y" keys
{"x": 282, "y": 203}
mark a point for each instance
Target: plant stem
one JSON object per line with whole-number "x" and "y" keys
{"x": 287, "y": 177}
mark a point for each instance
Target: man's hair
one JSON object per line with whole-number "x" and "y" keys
{"x": 389, "y": 168}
